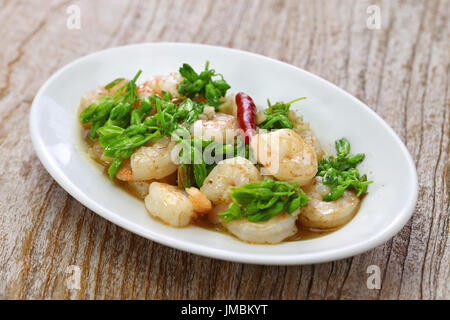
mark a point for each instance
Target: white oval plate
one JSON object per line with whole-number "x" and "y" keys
{"x": 332, "y": 113}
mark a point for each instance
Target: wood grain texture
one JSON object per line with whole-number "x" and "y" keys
{"x": 401, "y": 71}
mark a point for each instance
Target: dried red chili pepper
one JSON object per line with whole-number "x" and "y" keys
{"x": 246, "y": 113}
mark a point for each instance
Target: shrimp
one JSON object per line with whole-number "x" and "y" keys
{"x": 199, "y": 201}
{"x": 208, "y": 113}
{"x": 327, "y": 215}
{"x": 285, "y": 155}
{"x": 153, "y": 162}
{"x": 271, "y": 231}
{"x": 169, "y": 204}
{"x": 138, "y": 188}
{"x": 304, "y": 131}
{"x": 221, "y": 128}
{"x": 229, "y": 105}
{"x": 157, "y": 84}
{"x": 228, "y": 173}
{"x": 95, "y": 95}
{"x": 97, "y": 153}
{"x": 125, "y": 173}
{"x": 213, "y": 215}
{"x": 309, "y": 137}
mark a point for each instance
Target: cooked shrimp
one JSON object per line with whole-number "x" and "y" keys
{"x": 138, "y": 188}
{"x": 229, "y": 106}
{"x": 199, "y": 201}
{"x": 169, "y": 204}
{"x": 208, "y": 113}
{"x": 327, "y": 215}
{"x": 285, "y": 155}
{"x": 228, "y": 173}
{"x": 221, "y": 128}
{"x": 97, "y": 153}
{"x": 274, "y": 230}
{"x": 213, "y": 215}
{"x": 153, "y": 162}
{"x": 125, "y": 173}
{"x": 309, "y": 137}
{"x": 304, "y": 131}
{"x": 146, "y": 89}
{"x": 168, "y": 83}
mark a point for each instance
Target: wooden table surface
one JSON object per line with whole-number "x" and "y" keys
{"x": 400, "y": 70}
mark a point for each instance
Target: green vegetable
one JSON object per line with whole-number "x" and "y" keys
{"x": 97, "y": 113}
{"x": 113, "y": 83}
{"x": 277, "y": 115}
{"x": 203, "y": 84}
{"x": 340, "y": 172}
{"x": 125, "y": 129}
{"x": 109, "y": 133}
{"x": 114, "y": 108}
{"x": 117, "y": 125}
{"x": 122, "y": 123}
{"x": 169, "y": 116}
{"x": 185, "y": 176}
{"x": 189, "y": 110}
{"x": 261, "y": 200}
{"x": 192, "y": 162}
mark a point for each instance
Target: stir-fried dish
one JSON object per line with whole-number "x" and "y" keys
{"x": 197, "y": 154}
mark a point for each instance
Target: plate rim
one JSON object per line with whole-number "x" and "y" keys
{"x": 250, "y": 258}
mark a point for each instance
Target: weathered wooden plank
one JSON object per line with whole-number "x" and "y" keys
{"x": 400, "y": 70}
